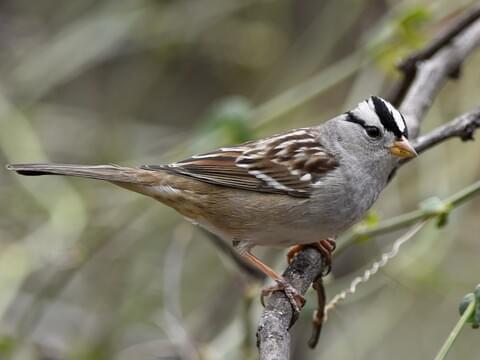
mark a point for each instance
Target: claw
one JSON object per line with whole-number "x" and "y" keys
{"x": 294, "y": 297}
{"x": 293, "y": 251}
{"x": 326, "y": 247}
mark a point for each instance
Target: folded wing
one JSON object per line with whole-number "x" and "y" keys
{"x": 290, "y": 163}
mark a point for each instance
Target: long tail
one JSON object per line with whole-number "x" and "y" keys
{"x": 113, "y": 173}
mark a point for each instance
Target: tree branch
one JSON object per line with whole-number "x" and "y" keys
{"x": 441, "y": 59}
{"x": 431, "y": 75}
{"x": 273, "y": 338}
{"x": 409, "y": 65}
{"x": 427, "y": 210}
{"x": 463, "y": 127}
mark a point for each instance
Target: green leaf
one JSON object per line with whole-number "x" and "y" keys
{"x": 467, "y": 299}
{"x": 436, "y": 207}
{"x": 477, "y": 292}
{"x": 403, "y": 33}
{"x": 474, "y": 318}
{"x": 372, "y": 219}
{"x": 477, "y": 307}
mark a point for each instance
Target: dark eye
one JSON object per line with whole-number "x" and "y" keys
{"x": 373, "y": 131}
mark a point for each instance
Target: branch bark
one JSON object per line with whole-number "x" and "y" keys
{"x": 431, "y": 75}
{"x": 409, "y": 65}
{"x": 462, "y": 127}
{"x": 273, "y": 338}
{"x": 439, "y": 61}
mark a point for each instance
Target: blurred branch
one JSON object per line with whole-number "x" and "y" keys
{"x": 248, "y": 347}
{"x": 171, "y": 320}
{"x": 430, "y": 75}
{"x": 46, "y": 66}
{"x": 233, "y": 255}
{"x": 65, "y": 267}
{"x": 305, "y": 91}
{"x": 409, "y": 65}
{"x": 428, "y": 209}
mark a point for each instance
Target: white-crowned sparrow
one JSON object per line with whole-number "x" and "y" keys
{"x": 303, "y": 186}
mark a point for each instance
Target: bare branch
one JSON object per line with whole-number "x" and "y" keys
{"x": 409, "y": 65}
{"x": 463, "y": 127}
{"x": 431, "y": 75}
{"x": 273, "y": 338}
{"x": 442, "y": 39}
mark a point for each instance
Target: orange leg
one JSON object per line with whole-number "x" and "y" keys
{"x": 293, "y": 251}
{"x": 296, "y": 299}
{"x": 326, "y": 247}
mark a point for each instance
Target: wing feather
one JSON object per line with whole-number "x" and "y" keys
{"x": 289, "y": 163}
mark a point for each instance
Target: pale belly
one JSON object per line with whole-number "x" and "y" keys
{"x": 254, "y": 218}
{"x": 287, "y": 225}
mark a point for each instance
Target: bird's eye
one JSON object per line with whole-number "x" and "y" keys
{"x": 373, "y": 131}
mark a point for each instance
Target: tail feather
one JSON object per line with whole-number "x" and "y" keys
{"x": 101, "y": 172}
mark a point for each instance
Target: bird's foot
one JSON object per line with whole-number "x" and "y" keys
{"x": 326, "y": 247}
{"x": 294, "y": 297}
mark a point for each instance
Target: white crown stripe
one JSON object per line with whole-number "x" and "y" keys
{"x": 366, "y": 111}
{"x": 396, "y": 116}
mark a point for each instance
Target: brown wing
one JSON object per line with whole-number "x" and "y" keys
{"x": 288, "y": 163}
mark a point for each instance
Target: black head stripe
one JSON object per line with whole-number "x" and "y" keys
{"x": 386, "y": 117}
{"x": 355, "y": 119}
{"x": 405, "y": 132}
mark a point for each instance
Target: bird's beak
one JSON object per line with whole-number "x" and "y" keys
{"x": 403, "y": 149}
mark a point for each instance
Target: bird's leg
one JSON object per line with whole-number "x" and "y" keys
{"x": 296, "y": 299}
{"x": 293, "y": 251}
{"x": 326, "y": 247}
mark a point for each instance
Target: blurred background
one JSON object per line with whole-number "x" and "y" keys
{"x": 90, "y": 271}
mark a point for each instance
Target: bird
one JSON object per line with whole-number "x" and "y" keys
{"x": 298, "y": 188}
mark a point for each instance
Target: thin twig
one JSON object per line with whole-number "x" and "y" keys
{"x": 442, "y": 39}
{"x": 409, "y": 65}
{"x": 456, "y": 331}
{"x": 463, "y": 127}
{"x": 431, "y": 75}
{"x": 305, "y": 91}
{"x": 398, "y": 222}
{"x": 422, "y": 216}
{"x": 171, "y": 319}
{"x": 377, "y": 265}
